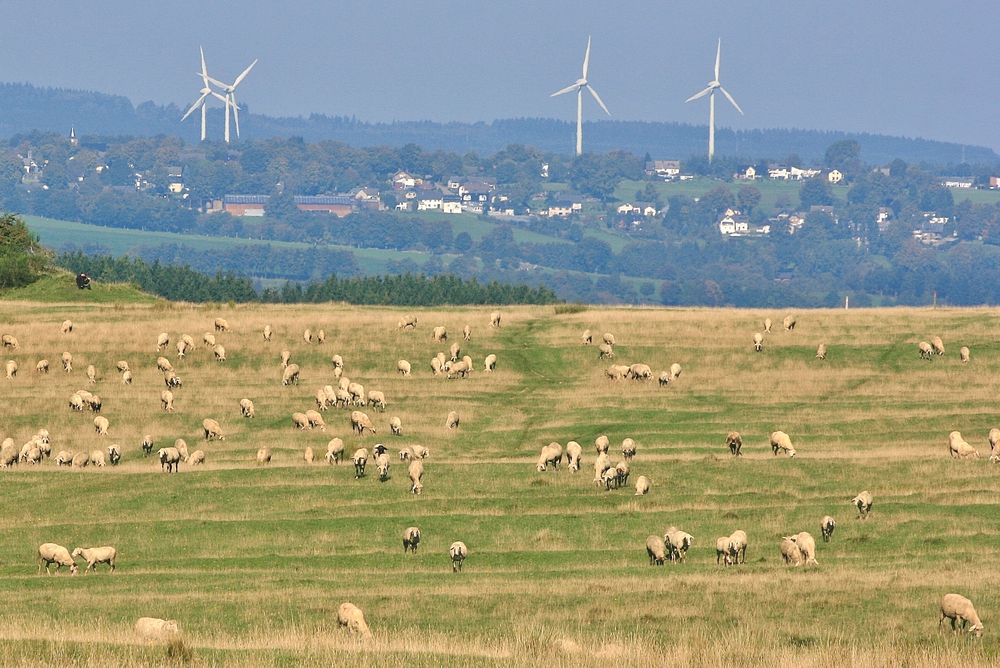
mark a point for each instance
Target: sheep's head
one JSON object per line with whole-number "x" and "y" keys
{"x": 978, "y": 630}
{"x": 73, "y": 568}
{"x": 77, "y": 552}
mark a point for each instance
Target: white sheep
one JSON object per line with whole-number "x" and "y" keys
{"x": 738, "y": 547}
{"x": 550, "y": 454}
{"x": 602, "y": 443}
{"x": 350, "y": 617}
{"x": 420, "y": 452}
{"x": 440, "y": 334}
{"x": 376, "y": 399}
{"x": 574, "y": 454}
{"x": 42, "y": 366}
{"x": 788, "y": 323}
{"x": 790, "y": 553}
{"x": 315, "y": 420}
{"x": 290, "y": 375}
{"x": 863, "y": 502}
{"x": 466, "y": 333}
{"x": 453, "y": 420}
{"x": 586, "y": 338}
{"x": 601, "y": 465}
{"x": 101, "y": 425}
{"x": 147, "y": 445}
{"x": 170, "y": 378}
{"x": 96, "y": 555}
{"x": 52, "y": 553}
{"x": 827, "y": 526}
{"x": 407, "y": 322}
{"x": 337, "y": 361}
{"x": 926, "y": 352}
{"x": 396, "y": 426}
{"x": 963, "y": 354}
{"x": 621, "y": 474}
{"x": 122, "y": 366}
{"x": 609, "y": 338}
{"x": 722, "y": 550}
{"x": 459, "y": 368}
{"x": 411, "y": 539}
{"x": 958, "y": 448}
{"x": 307, "y": 335}
{"x": 263, "y": 456}
{"x": 246, "y": 408}
{"x": 220, "y": 353}
{"x": 490, "y": 363}
{"x": 212, "y": 430}
{"x": 664, "y": 378}
{"x": 127, "y": 377}
{"x": 11, "y": 368}
{"x": 403, "y": 367}
{"x": 221, "y": 325}
{"x": 308, "y": 455}
{"x": 162, "y": 341}
{"x": 360, "y": 421}
{"x": 162, "y": 364}
{"x": 735, "y": 443}
{"x": 285, "y": 357}
{"x": 67, "y": 362}
{"x": 938, "y": 345}
{"x": 821, "y": 351}
{"x": 767, "y": 325}
{"x": 209, "y": 339}
{"x": 436, "y": 366}
{"x": 656, "y": 550}
{"x": 415, "y": 471}
{"x": 628, "y": 449}
{"x": 605, "y": 351}
{"x": 678, "y": 543}
{"x": 609, "y": 479}
{"x": 167, "y": 401}
{"x": 334, "y": 451}
{"x": 960, "y": 611}
{"x": 197, "y": 457}
{"x": 182, "y": 348}
{"x": 152, "y": 629}
{"x": 320, "y": 336}
{"x": 458, "y": 552}
{"x": 675, "y": 371}
{"x": 807, "y": 547}
{"x": 640, "y": 372}
{"x": 170, "y": 459}
{"x": 781, "y": 441}
{"x": 382, "y": 466}
{"x": 642, "y": 486}
{"x": 64, "y": 458}
{"x": 495, "y": 319}
{"x": 97, "y": 458}
{"x": 456, "y": 351}
{"x": 360, "y": 460}
{"x": 10, "y": 341}
{"x": 91, "y": 374}
{"x": 80, "y": 460}
{"x": 267, "y": 332}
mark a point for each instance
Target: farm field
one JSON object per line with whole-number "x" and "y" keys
{"x": 253, "y": 561}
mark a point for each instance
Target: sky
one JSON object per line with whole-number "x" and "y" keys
{"x": 918, "y": 69}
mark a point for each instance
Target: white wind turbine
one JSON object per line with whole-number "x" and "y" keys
{"x": 230, "y": 97}
{"x": 206, "y": 91}
{"x": 578, "y": 87}
{"x": 714, "y": 85}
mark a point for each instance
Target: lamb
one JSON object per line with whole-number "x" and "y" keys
{"x": 360, "y": 421}
{"x": 586, "y": 338}
{"x": 382, "y": 466}
{"x": 396, "y": 426}
{"x": 376, "y": 399}
{"x": 267, "y": 332}
{"x": 788, "y": 323}
{"x": 360, "y": 459}
{"x": 605, "y": 352}
{"x": 221, "y": 325}
{"x": 162, "y": 341}
{"x": 675, "y": 371}
{"x": 411, "y": 539}
{"x": 308, "y": 455}
{"x": 42, "y": 366}
{"x": 656, "y": 550}
{"x": 963, "y": 354}
{"x": 490, "y": 363}
{"x": 290, "y": 375}
{"x": 67, "y": 362}
{"x": 80, "y": 460}
{"x": 170, "y": 459}
{"x": 407, "y": 322}
{"x": 458, "y": 553}
{"x": 101, "y": 425}
{"x": 628, "y": 449}
{"x": 440, "y": 334}
{"x": 767, "y": 325}
{"x": 466, "y": 333}
{"x": 827, "y": 526}
{"x": 925, "y": 350}
{"x": 550, "y": 454}
{"x": 114, "y": 455}
{"x": 758, "y": 342}
{"x": 209, "y": 339}
{"x": 301, "y": 421}
{"x": 938, "y": 345}
{"x": 52, "y": 553}
{"x": 220, "y": 353}
{"x": 453, "y": 420}
{"x": 403, "y": 367}
{"x": 738, "y": 547}
{"x": 863, "y": 502}
{"x": 781, "y": 441}
{"x": 96, "y": 555}
{"x": 416, "y": 473}
{"x": 167, "y": 401}
{"x": 573, "y": 454}
{"x": 495, "y": 319}
{"x": 350, "y": 617}
{"x": 807, "y": 547}
{"x": 821, "y": 351}
{"x": 959, "y": 448}
{"x": 154, "y": 629}
{"x": 960, "y": 611}
{"x": 246, "y": 408}
{"x": 64, "y": 458}
{"x": 212, "y": 430}
{"x": 678, "y": 543}
{"x": 610, "y": 479}
{"x": 334, "y": 451}
{"x": 263, "y": 456}
{"x": 735, "y": 443}
{"x": 285, "y": 356}
{"x": 642, "y": 486}
{"x": 790, "y": 553}
{"x": 11, "y": 367}
{"x": 315, "y": 420}
{"x": 91, "y": 374}
{"x": 163, "y": 364}
{"x": 197, "y": 457}
{"x": 602, "y": 443}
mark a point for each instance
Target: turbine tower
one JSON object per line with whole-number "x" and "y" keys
{"x": 206, "y": 91}
{"x": 230, "y": 97}
{"x": 714, "y": 85}
{"x": 577, "y": 88}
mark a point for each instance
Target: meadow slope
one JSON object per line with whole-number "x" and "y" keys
{"x": 254, "y": 561}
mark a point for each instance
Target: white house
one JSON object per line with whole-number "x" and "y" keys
{"x": 835, "y": 176}
{"x": 430, "y": 202}
{"x": 748, "y": 174}
{"x": 451, "y": 205}
{"x": 402, "y": 180}
{"x": 560, "y": 210}
{"x": 733, "y": 223}
{"x": 960, "y": 182}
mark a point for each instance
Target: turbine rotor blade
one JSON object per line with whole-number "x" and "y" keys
{"x": 568, "y": 89}
{"x": 586, "y": 58}
{"x": 598, "y": 98}
{"x": 730, "y": 98}
{"x": 699, "y": 95}
{"x": 718, "y": 57}
{"x": 204, "y": 69}
{"x": 236, "y": 113}
{"x": 217, "y": 82}
{"x": 201, "y": 100}
{"x": 242, "y": 76}
{"x": 219, "y": 97}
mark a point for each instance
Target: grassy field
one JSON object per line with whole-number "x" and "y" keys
{"x": 253, "y": 561}
{"x": 770, "y": 190}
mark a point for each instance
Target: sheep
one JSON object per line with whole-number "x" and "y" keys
{"x": 458, "y": 553}
{"x": 781, "y": 441}
{"x": 52, "y": 553}
{"x": 403, "y": 368}
{"x": 170, "y": 459}
{"x": 807, "y": 547}
{"x": 360, "y": 421}
{"x": 350, "y": 617}
{"x": 67, "y": 362}
{"x": 307, "y": 335}
{"x": 246, "y": 408}
{"x": 788, "y": 323}
{"x": 9, "y": 341}
{"x": 8, "y": 454}
{"x": 863, "y": 502}
{"x": 738, "y": 547}
{"x": 628, "y": 449}
{"x": 220, "y": 353}
{"x": 320, "y": 336}
{"x": 11, "y": 367}
{"x": 263, "y": 456}
{"x": 675, "y": 371}
{"x": 343, "y": 397}
{"x": 411, "y": 539}
{"x": 440, "y": 334}
{"x": 221, "y": 325}
{"x": 609, "y": 338}
{"x": 376, "y": 399}
{"x": 167, "y": 401}
{"x": 416, "y": 473}
{"x": 790, "y": 553}
{"x": 308, "y": 455}
{"x": 601, "y": 465}
{"x": 455, "y": 351}
{"x": 642, "y": 486}
{"x": 91, "y": 374}
{"x": 315, "y": 420}
{"x": 163, "y": 364}
{"x": 96, "y": 555}
{"x": 147, "y": 445}
{"x": 610, "y": 479}
{"x": 452, "y": 420}
{"x": 490, "y": 363}
{"x": 290, "y": 375}
{"x": 80, "y": 460}
{"x": 127, "y": 378}
{"x": 405, "y": 454}
{"x": 162, "y": 341}
{"x": 122, "y": 366}
{"x": 767, "y": 325}
{"x": 171, "y": 379}
{"x": 209, "y": 339}
{"x": 640, "y": 372}
{"x": 360, "y": 460}
{"x": 42, "y": 366}
{"x": 212, "y": 430}
{"x": 960, "y": 611}
{"x": 925, "y": 350}
{"x": 182, "y": 348}
{"x": 938, "y": 345}
{"x": 963, "y": 354}
{"x": 495, "y": 319}
{"x": 357, "y": 392}
{"x": 67, "y": 327}
{"x": 285, "y": 356}
{"x": 615, "y": 372}
{"x": 337, "y": 361}
{"x": 827, "y": 526}
{"x": 550, "y": 454}
{"x": 300, "y": 421}
{"x": 758, "y": 342}
{"x": 656, "y": 550}
{"x": 621, "y": 474}
{"x": 466, "y": 333}
{"x": 267, "y": 332}
{"x": 334, "y": 451}
{"x": 459, "y": 368}
{"x": 42, "y": 436}
{"x": 443, "y": 359}
{"x": 959, "y": 448}
{"x": 574, "y": 453}
{"x": 586, "y": 338}
{"x": 114, "y": 455}
{"x": 64, "y": 458}
{"x": 436, "y": 366}
{"x": 34, "y": 454}
{"x": 678, "y": 543}
{"x": 722, "y": 550}
{"x": 664, "y": 378}
{"x": 420, "y": 452}
{"x": 382, "y": 466}
{"x": 197, "y": 457}
{"x": 602, "y": 443}
{"x": 97, "y": 458}
{"x": 101, "y": 425}
{"x": 821, "y": 352}
{"x": 153, "y": 629}
{"x": 605, "y": 352}
{"x": 407, "y": 322}
{"x": 735, "y": 443}
{"x": 396, "y": 426}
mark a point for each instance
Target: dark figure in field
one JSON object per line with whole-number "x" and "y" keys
{"x": 83, "y": 281}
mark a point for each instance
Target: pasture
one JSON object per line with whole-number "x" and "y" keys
{"x": 253, "y": 561}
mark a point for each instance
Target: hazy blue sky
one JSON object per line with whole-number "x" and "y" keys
{"x": 917, "y": 68}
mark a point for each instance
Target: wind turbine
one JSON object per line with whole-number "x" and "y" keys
{"x": 202, "y": 101}
{"x": 578, "y": 87}
{"x": 714, "y": 85}
{"x": 230, "y": 97}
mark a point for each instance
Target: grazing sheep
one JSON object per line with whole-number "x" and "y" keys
{"x": 958, "y": 448}
{"x": 960, "y": 611}
{"x": 781, "y": 441}
{"x": 675, "y": 371}
{"x": 182, "y": 448}
{"x": 167, "y": 401}
{"x": 267, "y": 332}
{"x": 80, "y": 460}
{"x": 209, "y": 339}
{"x": 615, "y": 372}
{"x": 609, "y": 338}
{"x": 101, "y": 425}
{"x": 642, "y": 486}
{"x": 621, "y": 474}
{"x": 350, "y": 617}
{"x": 550, "y": 454}
{"x": 602, "y": 443}
{"x": 678, "y": 543}
{"x": 466, "y": 333}
{"x": 458, "y": 553}
{"x": 307, "y": 335}
{"x": 452, "y": 421}
{"x": 495, "y": 319}
{"x": 738, "y": 547}
{"x": 9, "y": 341}
{"x": 963, "y": 354}
{"x": 170, "y": 459}
{"x": 64, "y": 458}
{"x": 420, "y": 452}
{"x": 147, "y": 445}
{"x": 290, "y": 375}
{"x": 605, "y": 351}
{"x": 407, "y": 322}
{"x": 220, "y": 353}
{"x": 376, "y": 399}
{"x": 127, "y": 378}
{"x": 246, "y": 408}
{"x": 938, "y": 345}
{"x": 767, "y": 325}
{"x": 197, "y": 457}
{"x": 285, "y": 356}
{"x": 96, "y": 555}
{"x": 459, "y": 368}
{"x": 357, "y": 392}
{"x": 601, "y": 465}
{"x": 8, "y": 454}
{"x": 162, "y": 341}
{"x": 610, "y": 479}
{"x": 212, "y": 430}
{"x": 42, "y": 366}
{"x": 182, "y": 348}
{"x": 11, "y": 367}
{"x": 586, "y": 338}
{"x": 827, "y": 526}
{"x": 722, "y": 550}
{"x": 91, "y": 374}
{"x": 52, "y": 553}
{"x": 308, "y": 455}
{"x": 360, "y": 421}
{"x": 664, "y": 378}
{"x": 735, "y": 443}
{"x": 320, "y": 336}
{"x": 455, "y": 351}
{"x": 788, "y": 323}
{"x": 926, "y": 352}
{"x": 656, "y": 550}
{"x": 315, "y": 420}
{"x": 790, "y": 553}
{"x": 405, "y": 454}
{"x": 574, "y": 454}
{"x": 334, "y": 451}
{"x": 628, "y": 449}
{"x": 821, "y": 351}
{"x": 436, "y": 366}
{"x": 67, "y": 362}
{"x": 338, "y": 362}
{"x": 152, "y": 629}
{"x": 343, "y": 397}
{"x": 416, "y": 473}
{"x": 411, "y": 539}
{"x": 396, "y": 426}
{"x": 758, "y": 342}
{"x": 114, "y": 455}
{"x": 221, "y": 325}
{"x": 263, "y": 456}
{"x": 490, "y": 363}
{"x": 300, "y": 421}
{"x": 122, "y": 366}
{"x": 863, "y": 502}
{"x": 163, "y": 364}
{"x": 360, "y": 460}
{"x": 807, "y": 547}
{"x": 640, "y": 372}
{"x": 382, "y": 466}
{"x": 403, "y": 367}
{"x": 440, "y": 334}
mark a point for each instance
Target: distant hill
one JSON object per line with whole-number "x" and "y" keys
{"x": 24, "y": 108}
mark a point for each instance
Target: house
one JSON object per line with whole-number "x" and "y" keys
{"x": 430, "y": 201}
{"x": 245, "y": 205}
{"x": 932, "y": 218}
{"x": 256, "y": 205}
{"x": 799, "y": 174}
{"x": 667, "y": 169}
{"x": 796, "y": 221}
{"x": 733, "y": 222}
{"x": 175, "y": 180}
{"x": 883, "y": 216}
{"x": 778, "y": 172}
{"x": 369, "y": 198}
{"x": 834, "y": 176}
{"x": 403, "y": 206}
{"x": 402, "y": 180}
{"x": 451, "y": 204}
{"x": 748, "y": 174}
{"x": 454, "y": 183}
{"x": 563, "y": 209}
{"x": 544, "y": 172}
{"x": 960, "y": 182}
{"x": 480, "y": 188}
{"x": 994, "y": 182}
